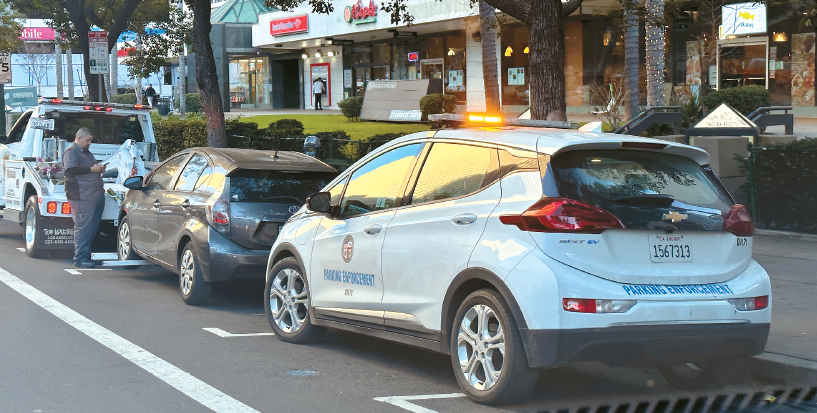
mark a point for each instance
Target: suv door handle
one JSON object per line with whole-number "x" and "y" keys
{"x": 156, "y": 204}
{"x": 186, "y": 203}
{"x": 373, "y": 229}
{"x": 464, "y": 219}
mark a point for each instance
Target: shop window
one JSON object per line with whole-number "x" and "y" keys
{"x": 514, "y": 74}
{"x": 362, "y": 54}
{"x": 455, "y": 67}
{"x": 433, "y": 48}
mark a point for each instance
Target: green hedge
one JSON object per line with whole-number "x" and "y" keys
{"x": 350, "y": 107}
{"x": 437, "y": 103}
{"x": 744, "y": 99}
{"x": 192, "y": 102}
{"x": 786, "y": 184}
{"x": 126, "y": 98}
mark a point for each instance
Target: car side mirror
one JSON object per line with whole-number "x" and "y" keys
{"x": 134, "y": 182}
{"x": 319, "y": 202}
{"x": 3, "y": 139}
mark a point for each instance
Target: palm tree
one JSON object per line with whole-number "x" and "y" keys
{"x": 655, "y": 52}
{"x": 631, "y": 67}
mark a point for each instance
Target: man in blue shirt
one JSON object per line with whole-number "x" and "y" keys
{"x": 85, "y": 193}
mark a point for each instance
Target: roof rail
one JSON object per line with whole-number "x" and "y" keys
{"x": 455, "y": 120}
{"x": 94, "y": 104}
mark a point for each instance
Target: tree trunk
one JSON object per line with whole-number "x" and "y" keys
{"x": 547, "y": 61}
{"x": 490, "y": 73}
{"x": 655, "y": 52}
{"x": 114, "y": 78}
{"x": 631, "y": 67}
{"x": 69, "y": 56}
{"x": 58, "y": 68}
{"x": 206, "y": 76}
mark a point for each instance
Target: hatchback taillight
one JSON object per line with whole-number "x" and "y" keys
{"x": 739, "y": 222}
{"x": 220, "y": 213}
{"x": 563, "y": 215}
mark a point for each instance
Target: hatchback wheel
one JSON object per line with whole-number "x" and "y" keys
{"x": 287, "y": 303}
{"x": 191, "y": 283}
{"x": 124, "y": 247}
{"x": 486, "y": 351}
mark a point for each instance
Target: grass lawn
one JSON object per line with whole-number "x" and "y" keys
{"x": 329, "y": 123}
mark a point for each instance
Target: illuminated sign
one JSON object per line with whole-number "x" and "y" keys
{"x": 358, "y": 13}
{"x": 413, "y": 56}
{"x": 742, "y": 18}
{"x": 37, "y": 33}
{"x": 289, "y": 25}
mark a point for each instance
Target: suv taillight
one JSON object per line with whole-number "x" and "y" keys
{"x": 220, "y": 213}
{"x": 563, "y": 215}
{"x": 739, "y": 222}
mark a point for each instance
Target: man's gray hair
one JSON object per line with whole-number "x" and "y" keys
{"x": 83, "y": 132}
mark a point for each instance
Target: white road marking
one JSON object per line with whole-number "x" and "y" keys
{"x": 194, "y": 388}
{"x": 77, "y": 272}
{"x": 21, "y": 249}
{"x": 72, "y": 271}
{"x": 403, "y": 401}
{"x": 221, "y": 333}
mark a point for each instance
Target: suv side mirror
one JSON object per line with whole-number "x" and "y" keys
{"x": 134, "y": 182}
{"x": 3, "y": 139}
{"x": 319, "y": 202}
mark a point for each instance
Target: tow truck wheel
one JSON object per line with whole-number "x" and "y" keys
{"x": 124, "y": 248}
{"x": 195, "y": 291}
{"x": 487, "y": 353}
{"x": 31, "y": 223}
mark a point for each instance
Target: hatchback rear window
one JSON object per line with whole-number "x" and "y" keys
{"x": 631, "y": 184}
{"x": 276, "y": 186}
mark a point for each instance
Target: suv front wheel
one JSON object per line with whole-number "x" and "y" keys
{"x": 486, "y": 351}
{"x": 287, "y": 303}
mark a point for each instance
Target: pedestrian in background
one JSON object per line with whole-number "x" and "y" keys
{"x": 150, "y": 93}
{"x": 85, "y": 193}
{"x": 318, "y": 89}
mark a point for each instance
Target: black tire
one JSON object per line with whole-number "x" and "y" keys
{"x": 287, "y": 276}
{"x": 516, "y": 378}
{"x": 125, "y": 252}
{"x": 691, "y": 376}
{"x": 194, "y": 290}
{"x": 32, "y": 229}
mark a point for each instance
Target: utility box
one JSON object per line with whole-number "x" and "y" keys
{"x": 722, "y": 151}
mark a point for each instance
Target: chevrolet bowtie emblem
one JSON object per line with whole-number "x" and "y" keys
{"x": 675, "y": 217}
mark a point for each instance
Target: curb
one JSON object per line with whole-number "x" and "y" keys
{"x": 787, "y": 368}
{"x": 776, "y": 233}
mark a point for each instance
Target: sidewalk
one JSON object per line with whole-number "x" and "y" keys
{"x": 791, "y": 261}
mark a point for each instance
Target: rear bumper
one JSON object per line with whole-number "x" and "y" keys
{"x": 230, "y": 261}
{"x": 644, "y": 345}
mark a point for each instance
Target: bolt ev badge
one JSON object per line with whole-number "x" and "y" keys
{"x": 674, "y": 216}
{"x": 347, "y": 248}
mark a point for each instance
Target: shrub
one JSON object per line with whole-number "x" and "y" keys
{"x": 195, "y": 133}
{"x": 744, "y": 99}
{"x": 126, "y": 98}
{"x": 192, "y": 104}
{"x": 350, "y": 107}
{"x": 285, "y": 128}
{"x": 437, "y": 103}
{"x": 358, "y": 149}
{"x": 169, "y": 135}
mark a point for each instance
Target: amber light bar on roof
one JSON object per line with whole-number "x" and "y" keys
{"x": 477, "y": 120}
{"x": 107, "y": 106}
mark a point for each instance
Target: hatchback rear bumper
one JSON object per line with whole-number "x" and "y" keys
{"x": 644, "y": 345}
{"x": 230, "y": 261}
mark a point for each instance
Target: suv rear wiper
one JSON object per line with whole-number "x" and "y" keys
{"x": 661, "y": 199}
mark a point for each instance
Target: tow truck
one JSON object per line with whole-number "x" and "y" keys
{"x": 32, "y": 178}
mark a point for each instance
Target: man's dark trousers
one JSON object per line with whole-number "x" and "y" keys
{"x": 87, "y": 215}
{"x": 318, "y": 101}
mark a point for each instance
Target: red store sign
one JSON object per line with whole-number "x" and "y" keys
{"x": 289, "y": 25}
{"x": 358, "y": 13}
{"x": 37, "y": 33}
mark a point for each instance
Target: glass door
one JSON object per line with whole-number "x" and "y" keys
{"x": 380, "y": 72}
{"x": 432, "y": 69}
{"x": 743, "y": 62}
{"x": 361, "y": 76}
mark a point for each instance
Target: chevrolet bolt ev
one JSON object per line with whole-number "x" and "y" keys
{"x": 518, "y": 249}
{"x": 212, "y": 214}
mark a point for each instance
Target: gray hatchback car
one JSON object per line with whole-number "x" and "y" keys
{"x": 212, "y": 214}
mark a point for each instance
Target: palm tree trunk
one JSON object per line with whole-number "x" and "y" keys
{"x": 655, "y": 52}
{"x": 69, "y": 67}
{"x": 631, "y": 67}
{"x": 58, "y": 68}
{"x": 490, "y": 72}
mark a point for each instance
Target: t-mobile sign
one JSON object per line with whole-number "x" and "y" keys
{"x": 289, "y": 25}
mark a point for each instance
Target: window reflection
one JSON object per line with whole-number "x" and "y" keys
{"x": 451, "y": 171}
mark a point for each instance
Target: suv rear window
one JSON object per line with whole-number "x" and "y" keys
{"x": 639, "y": 186}
{"x": 276, "y": 186}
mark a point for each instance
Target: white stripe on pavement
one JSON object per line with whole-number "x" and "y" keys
{"x": 403, "y": 401}
{"x": 194, "y": 388}
{"x": 221, "y": 333}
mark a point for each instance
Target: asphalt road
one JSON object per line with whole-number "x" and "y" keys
{"x": 124, "y": 341}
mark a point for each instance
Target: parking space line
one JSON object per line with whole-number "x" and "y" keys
{"x": 21, "y": 249}
{"x": 404, "y": 403}
{"x": 221, "y": 333}
{"x": 192, "y": 387}
{"x": 77, "y": 272}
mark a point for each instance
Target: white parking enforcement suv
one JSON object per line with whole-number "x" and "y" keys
{"x": 515, "y": 248}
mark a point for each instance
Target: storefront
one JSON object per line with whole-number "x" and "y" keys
{"x": 249, "y": 82}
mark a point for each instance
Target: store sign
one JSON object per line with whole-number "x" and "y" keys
{"x": 413, "y": 56}
{"x": 395, "y": 100}
{"x": 725, "y": 117}
{"x": 21, "y": 97}
{"x": 405, "y": 35}
{"x": 742, "y": 18}
{"x": 37, "y": 33}
{"x": 415, "y": 115}
{"x": 289, "y": 25}
{"x": 358, "y": 13}
{"x": 341, "y": 42}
